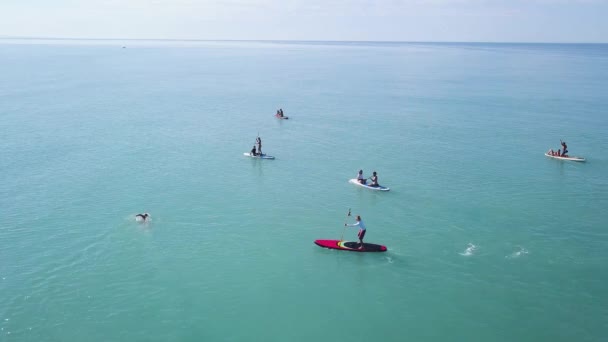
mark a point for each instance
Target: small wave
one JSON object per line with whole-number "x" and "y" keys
{"x": 389, "y": 259}
{"x": 470, "y": 250}
{"x": 518, "y": 253}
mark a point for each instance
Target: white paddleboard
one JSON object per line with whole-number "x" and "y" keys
{"x": 376, "y": 188}
{"x": 263, "y": 156}
{"x": 578, "y": 159}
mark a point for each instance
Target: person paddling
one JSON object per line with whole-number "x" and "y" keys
{"x": 258, "y": 142}
{"x": 360, "y": 177}
{"x": 374, "y": 179}
{"x": 564, "y": 148}
{"x": 362, "y": 229}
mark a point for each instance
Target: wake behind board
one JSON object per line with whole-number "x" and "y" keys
{"x": 350, "y": 246}
{"x": 376, "y": 188}
{"x": 263, "y": 156}
{"x": 577, "y": 159}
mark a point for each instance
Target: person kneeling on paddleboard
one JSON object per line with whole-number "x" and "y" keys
{"x": 360, "y": 177}
{"x": 362, "y": 229}
{"x": 253, "y": 152}
{"x": 374, "y": 178}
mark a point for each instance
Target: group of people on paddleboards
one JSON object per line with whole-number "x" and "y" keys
{"x": 256, "y": 150}
{"x": 362, "y": 180}
{"x": 563, "y": 152}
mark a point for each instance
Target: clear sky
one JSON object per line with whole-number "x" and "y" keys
{"x": 381, "y": 20}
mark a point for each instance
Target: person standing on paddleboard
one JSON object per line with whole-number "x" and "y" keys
{"x": 362, "y": 229}
{"x": 258, "y": 141}
{"x": 564, "y": 149}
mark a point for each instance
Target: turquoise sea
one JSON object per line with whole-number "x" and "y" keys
{"x": 488, "y": 239}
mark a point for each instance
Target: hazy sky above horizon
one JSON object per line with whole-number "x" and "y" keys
{"x": 388, "y": 20}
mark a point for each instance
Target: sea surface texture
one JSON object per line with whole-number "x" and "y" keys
{"x": 488, "y": 239}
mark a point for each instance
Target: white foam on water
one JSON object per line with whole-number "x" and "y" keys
{"x": 518, "y": 253}
{"x": 470, "y": 250}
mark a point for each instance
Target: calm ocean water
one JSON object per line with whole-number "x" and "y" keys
{"x": 488, "y": 239}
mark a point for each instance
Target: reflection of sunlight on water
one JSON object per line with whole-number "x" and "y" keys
{"x": 470, "y": 250}
{"x": 522, "y": 251}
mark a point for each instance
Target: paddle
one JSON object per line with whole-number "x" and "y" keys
{"x": 369, "y": 178}
{"x": 345, "y": 222}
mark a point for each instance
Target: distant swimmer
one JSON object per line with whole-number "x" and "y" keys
{"x": 144, "y": 216}
{"x": 362, "y": 229}
{"x": 360, "y": 177}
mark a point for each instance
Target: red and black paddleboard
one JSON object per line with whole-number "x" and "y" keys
{"x": 350, "y": 246}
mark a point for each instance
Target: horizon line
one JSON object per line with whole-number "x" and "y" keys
{"x": 291, "y": 40}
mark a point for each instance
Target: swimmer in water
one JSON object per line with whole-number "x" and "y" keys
{"x": 144, "y": 216}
